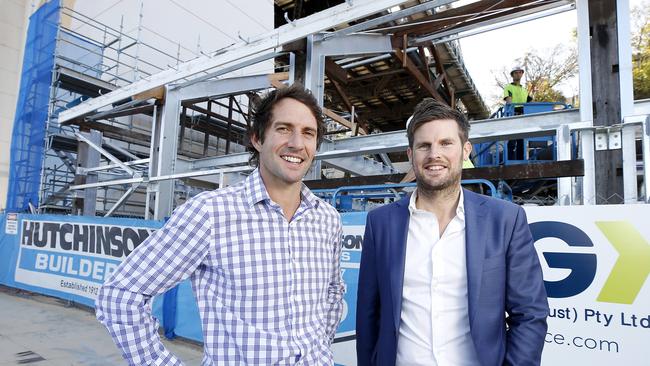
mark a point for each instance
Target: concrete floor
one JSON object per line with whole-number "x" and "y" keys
{"x": 41, "y": 330}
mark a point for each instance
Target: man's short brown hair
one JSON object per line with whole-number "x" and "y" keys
{"x": 431, "y": 110}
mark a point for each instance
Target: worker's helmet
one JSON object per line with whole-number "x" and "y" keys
{"x": 408, "y": 122}
{"x": 516, "y": 68}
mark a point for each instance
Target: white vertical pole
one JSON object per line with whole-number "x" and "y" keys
{"x": 584, "y": 61}
{"x": 625, "y": 57}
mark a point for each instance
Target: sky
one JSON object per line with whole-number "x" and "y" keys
{"x": 486, "y": 54}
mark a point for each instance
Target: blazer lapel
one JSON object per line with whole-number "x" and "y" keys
{"x": 397, "y": 255}
{"x": 475, "y": 236}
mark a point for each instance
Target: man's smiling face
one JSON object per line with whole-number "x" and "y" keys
{"x": 437, "y": 155}
{"x": 289, "y": 144}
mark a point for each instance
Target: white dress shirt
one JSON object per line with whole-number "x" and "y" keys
{"x": 434, "y": 326}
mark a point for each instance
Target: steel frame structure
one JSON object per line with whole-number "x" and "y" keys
{"x": 199, "y": 79}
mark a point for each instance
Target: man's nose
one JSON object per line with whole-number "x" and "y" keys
{"x": 296, "y": 140}
{"x": 434, "y": 152}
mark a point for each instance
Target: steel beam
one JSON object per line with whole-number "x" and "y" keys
{"x": 360, "y": 165}
{"x": 163, "y": 178}
{"x": 88, "y": 155}
{"x": 101, "y": 150}
{"x": 166, "y": 154}
{"x": 156, "y": 121}
{"x": 83, "y": 170}
{"x": 541, "y": 124}
{"x": 317, "y": 50}
{"x": 353, "y": 45}
{"x": 122, "y": 199}
{"x": 226, "y": 70}
{"x": 240, "y": 52}
{"x": 389, "y": 18}
{"x": 219, "y": 161}
{"x": 124, "y": 151}
{"x": 222, "y": 87}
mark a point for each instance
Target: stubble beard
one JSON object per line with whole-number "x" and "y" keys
{"x": 444, "y": 188}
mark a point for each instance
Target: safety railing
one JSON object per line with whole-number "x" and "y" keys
{"x": 366, "y": 197}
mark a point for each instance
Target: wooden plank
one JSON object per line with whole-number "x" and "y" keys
{"x": 341, "y": 120}
{"x": 155, "y": 93}
{"x": 360, "y": 130}
{"x": 417, "y": 74}
{"x": 342, "y": 94}
{"x": 277, "y": 79}
{"x": 425, "y": 63}
{"x": 335, "y": 72}
{"x": 554, "y": 169}
{"x": 441, "y": 71}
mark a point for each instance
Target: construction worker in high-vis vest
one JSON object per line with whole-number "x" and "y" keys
{"x": 515, "y": 92}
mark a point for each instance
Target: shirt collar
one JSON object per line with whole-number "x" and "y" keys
{"x": 256, "y": 191}
{"x": 460, "y": 209}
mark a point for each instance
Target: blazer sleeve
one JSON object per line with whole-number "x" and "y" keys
{"x": 526, "y": 301}
{"x": 367, "y": 299}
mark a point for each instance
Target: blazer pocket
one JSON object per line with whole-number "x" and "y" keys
{"x": 494, "y": 262}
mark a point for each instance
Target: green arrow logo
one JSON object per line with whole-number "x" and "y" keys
{"x": 632, "y": 266}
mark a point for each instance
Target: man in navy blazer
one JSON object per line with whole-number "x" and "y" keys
{"x": 448, "y": 277}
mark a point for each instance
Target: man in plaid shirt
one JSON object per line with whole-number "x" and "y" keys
{"x": 262, "y": 257}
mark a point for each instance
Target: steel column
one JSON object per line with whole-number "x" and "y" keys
{"x": 167, "y": 154}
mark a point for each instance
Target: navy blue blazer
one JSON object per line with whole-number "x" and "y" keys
{"x": 503, "y": 275}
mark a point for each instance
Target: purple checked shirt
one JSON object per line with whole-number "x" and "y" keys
{"x": 269, "y": 290}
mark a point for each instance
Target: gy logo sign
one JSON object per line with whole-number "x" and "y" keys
{"x": 628, "y": 275}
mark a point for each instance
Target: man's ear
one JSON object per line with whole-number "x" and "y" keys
{"x": 255, "y": 141}
{"x": 467, "y": 149}
{"x": 409, "y": 153}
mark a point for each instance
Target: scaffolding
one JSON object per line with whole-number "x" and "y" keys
{"x": 64, "y": 66}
